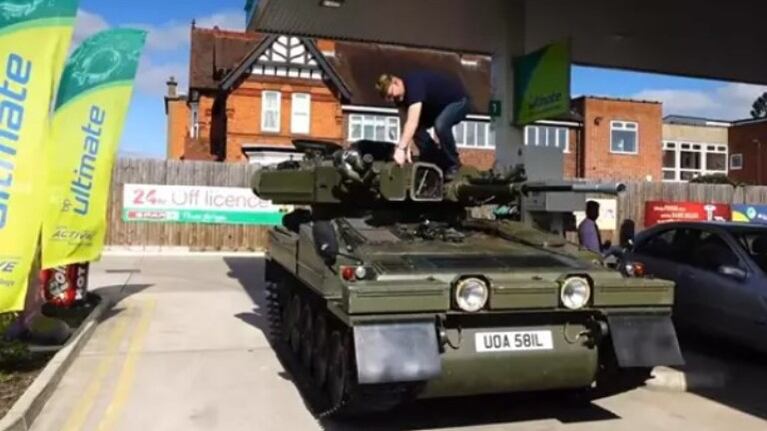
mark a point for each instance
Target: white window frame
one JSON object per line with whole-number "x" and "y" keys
{"x": 461, "y": 139}
{"x": 536, "y": 129}
{"x": 264, "y": 96}
{"x": 621, "y": 125}
{"x": 295, "y": 114}
{"x": 733, "y": 167}
{"x": 391, "y": 123}
{"x": 194, "y": 120}
{"x": 704, "y": 149}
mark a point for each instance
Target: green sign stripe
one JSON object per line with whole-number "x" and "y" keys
{"x": 43, "y": 22}
{"x": 210, "y": 217}
{"x": 103, "y": 87}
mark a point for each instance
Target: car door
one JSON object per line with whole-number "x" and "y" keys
{"x": 655, "y": 252}
{"x": 722, "y": 299}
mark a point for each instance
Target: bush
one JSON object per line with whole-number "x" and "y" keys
{"x": 12, "y": 352}
{"x": 714, "y": 179}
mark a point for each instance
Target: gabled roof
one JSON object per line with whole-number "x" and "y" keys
{"x": 215, "y": 52}
{"x": 220, "y": 57}
{"x": 245, "y": 65}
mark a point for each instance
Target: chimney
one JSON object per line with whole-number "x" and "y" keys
{"x": 172, "y": 88}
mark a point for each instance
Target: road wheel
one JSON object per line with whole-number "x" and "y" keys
{"x": 307, "y": 336}
{"x": 295, "y": 324}
{"x": 320, "y": 355}
{"x": 338, "y": 368}
{"x": 286, "y": 326}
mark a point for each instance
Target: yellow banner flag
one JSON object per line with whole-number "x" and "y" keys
{"x": 34, "y": 40}
{"x": 91, "y": 106}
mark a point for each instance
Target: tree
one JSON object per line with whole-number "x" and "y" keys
{"x": 760, "y": 107}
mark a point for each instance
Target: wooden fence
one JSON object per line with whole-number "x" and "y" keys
{"x": 240, "y": 237}
{"x": 194, "y": 236}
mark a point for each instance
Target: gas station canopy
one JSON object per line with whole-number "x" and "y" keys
{"x": 707, "y": 39}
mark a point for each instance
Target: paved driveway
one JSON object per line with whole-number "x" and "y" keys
{"x": 185, "y": 349}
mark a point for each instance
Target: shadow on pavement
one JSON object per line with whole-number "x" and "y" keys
{"x": 480, "y": 410}
{"x": 118, "y": 293}
{"x": 745, "y": 384}
{"x": 249, "y": 272}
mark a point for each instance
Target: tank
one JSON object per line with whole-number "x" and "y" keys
{"x": 383, "y": 287}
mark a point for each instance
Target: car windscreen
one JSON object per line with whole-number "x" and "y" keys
{"x": 755, "y": 244}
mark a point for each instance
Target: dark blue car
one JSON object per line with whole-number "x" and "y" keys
{"x": 720, "y": 270}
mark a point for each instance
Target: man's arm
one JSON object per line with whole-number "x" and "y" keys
{"x": 411, "y": 125}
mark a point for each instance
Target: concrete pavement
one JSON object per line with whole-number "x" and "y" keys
{"x": 185, "y": 349}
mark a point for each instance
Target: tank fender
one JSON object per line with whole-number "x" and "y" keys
{"x": 644, "y": 340}
{"x": 396, "y": 352}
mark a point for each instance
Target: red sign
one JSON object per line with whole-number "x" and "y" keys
{"x": 63, "y": 286}
{"x": 664, "y": 212}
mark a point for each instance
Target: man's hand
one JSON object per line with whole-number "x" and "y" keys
{"x": 402, "y": 155}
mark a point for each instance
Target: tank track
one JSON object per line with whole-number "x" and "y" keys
{"x": 352, "y": 399}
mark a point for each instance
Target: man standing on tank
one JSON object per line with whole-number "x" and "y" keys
{"x": 427, "y": 99}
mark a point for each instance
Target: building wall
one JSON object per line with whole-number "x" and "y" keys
{"x": 481, "y": 159}
{"x": 243, "y": 116}
{"x": 178, "y": 127}
{"x": 599, "y": 163}
{"x": 702, "y": 134}
{"x": 750, "y": 140}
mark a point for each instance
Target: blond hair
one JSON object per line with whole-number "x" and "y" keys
{"x": 383, "y": 84}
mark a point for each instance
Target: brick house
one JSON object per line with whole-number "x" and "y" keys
{"x": 250, "y": 91}
{"x": 748, "y": 151}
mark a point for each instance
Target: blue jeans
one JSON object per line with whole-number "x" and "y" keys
{"x": 444, "y": 154}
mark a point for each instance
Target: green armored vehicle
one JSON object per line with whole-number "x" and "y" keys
{"x": 383, "y": 288}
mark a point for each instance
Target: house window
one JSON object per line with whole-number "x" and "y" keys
{"x": 624, "y": 137}
{"x": 473, "y": 134}
{"x": 547, "y": 136}
{"x": 300, "y": 120}
{"x": 683, "y": 161}
{"x": 194, "y": 120}
{"x": 270, "y": 111}
{"x": 374, "y": 128}
{"x": 736, "y": 162}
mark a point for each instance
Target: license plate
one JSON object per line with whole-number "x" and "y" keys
{"x": 513, "y": 341}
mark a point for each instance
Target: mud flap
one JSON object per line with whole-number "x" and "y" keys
{"x": 397, "y": 352}
{"x": 644, "y": 341}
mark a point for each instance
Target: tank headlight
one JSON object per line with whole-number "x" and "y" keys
{"x": 575, "y": 293}
{"x": 471, "y": 294}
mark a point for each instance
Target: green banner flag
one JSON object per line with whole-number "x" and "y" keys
{"x": 542, "y": 84}
{"x": 34, "y": 39}
{"x": 91, "y": 106}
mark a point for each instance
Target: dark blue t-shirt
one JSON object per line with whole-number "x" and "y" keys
{"x": 434, "y": 91}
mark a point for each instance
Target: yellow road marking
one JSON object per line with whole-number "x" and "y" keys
{"x": 127, "y": 376}
{"x": 80, "y": 413}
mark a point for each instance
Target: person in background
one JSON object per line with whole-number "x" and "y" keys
{"x": 427, "y": 99}
{"x": 588, "y": 231}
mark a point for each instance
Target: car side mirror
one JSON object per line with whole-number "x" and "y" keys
{"x": 733, "y": 272}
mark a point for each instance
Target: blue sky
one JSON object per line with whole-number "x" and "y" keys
{"x": 167, "y": 54}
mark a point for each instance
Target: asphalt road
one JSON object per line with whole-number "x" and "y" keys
{"x": 185, "y": 349}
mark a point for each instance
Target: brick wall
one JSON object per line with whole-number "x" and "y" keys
{"x": 750, "y": 140}
{"x": 178, "y": 127}
{"x": 599, "y": 163}
{"x": 482, "y": 159}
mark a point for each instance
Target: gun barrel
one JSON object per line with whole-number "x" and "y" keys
{"x": 607, "y": 188}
